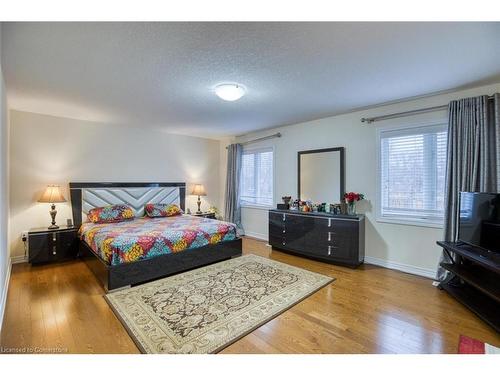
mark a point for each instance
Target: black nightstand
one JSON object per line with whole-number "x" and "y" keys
{"x": 207, "y": 215}
{"x": 52, "y": 245}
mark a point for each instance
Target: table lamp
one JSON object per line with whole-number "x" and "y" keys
{"x": 52, "y": 195}
{"x": 198, "y": 190}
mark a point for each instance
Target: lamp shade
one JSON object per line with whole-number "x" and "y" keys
{"x": 52, "y": 195}
{"x": 198, "y": 189}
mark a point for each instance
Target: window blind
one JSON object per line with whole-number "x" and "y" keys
{"x": 256, "y": 187}
{"x": 412, "y": 173}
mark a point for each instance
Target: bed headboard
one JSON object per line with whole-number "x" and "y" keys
{"x": 87, "y": 195}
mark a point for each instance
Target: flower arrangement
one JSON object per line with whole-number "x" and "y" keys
{"x": 351, "y": 199}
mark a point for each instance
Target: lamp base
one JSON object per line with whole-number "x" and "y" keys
{"x": 53, "y": 213}
{"x": 199, "y": 204}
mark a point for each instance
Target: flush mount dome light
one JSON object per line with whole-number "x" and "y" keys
{"x": 229, "y": 91}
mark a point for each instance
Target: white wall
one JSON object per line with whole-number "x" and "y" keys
{"x": 46, "y": 149}
{"x": 411, "y": 248}
{"x": 4, "y": 187}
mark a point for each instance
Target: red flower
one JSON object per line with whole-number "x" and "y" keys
{"x": 353, "y": 197}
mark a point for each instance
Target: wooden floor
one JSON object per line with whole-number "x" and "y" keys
{"x": 60, "y": 308}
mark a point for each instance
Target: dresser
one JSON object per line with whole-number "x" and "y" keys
{"x": 52, "y": 245}
{"x": 338, "y": 239}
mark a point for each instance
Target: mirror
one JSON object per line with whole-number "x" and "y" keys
{"x": 321, "y": 175}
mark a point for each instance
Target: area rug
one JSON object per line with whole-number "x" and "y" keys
{"x": 205, "y": 310}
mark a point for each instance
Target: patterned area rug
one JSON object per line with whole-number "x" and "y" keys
{"x": 205, "y": 310}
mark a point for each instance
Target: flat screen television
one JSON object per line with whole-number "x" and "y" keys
{"x": 480, "y": 220}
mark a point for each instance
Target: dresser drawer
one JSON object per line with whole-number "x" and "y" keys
{"x": 277, "y": 229}
{"x": 277, "y": 241}
{"x": 52, "y": 246}
{"x": 330, "y": 238}
{"x": 39, "y": 247}
{"x": 39, "y": 241}
{"x": 328, "y": 250}
{"x": 293, "y": 232}
{"x": 286, "y": 230}
{"x": 276, "y": 224}
{"x": 67, "y": 240}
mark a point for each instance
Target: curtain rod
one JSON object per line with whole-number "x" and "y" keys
{"x": 276, "y": 135}
{"x": 369, "y": 120}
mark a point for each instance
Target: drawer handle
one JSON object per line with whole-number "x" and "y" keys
{"x": 329, "y": 236}
{"x": 331, "y": 249}
{"x": 329, "y": 222}
{"x": 54, "y": 250}
{"x": 284, "y": 231}
{"x": 284, "y": 217}
{"x": 283, "y": 242}
{"x": 54, "y": 237}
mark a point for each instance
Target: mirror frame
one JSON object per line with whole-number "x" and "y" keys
{"x": 342, "y": 167}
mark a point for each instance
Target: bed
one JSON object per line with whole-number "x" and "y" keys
{"x": 144, "y": 249}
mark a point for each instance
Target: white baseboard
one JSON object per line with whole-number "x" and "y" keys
{"x": 258, "y": 236}
{"x": 18, "y": 259}
{"x": 414, "y": 270}
{"x": 407, "y": 268}
{"x": 5, "y": 290}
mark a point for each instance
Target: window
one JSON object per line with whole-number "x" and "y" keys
{"x": 256, "y": 188}
{"x": 412, "y": 174}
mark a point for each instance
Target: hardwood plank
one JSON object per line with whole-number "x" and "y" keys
{"x": 366, "y": 310}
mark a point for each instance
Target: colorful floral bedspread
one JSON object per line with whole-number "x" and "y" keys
{"x": 146, "y": 237}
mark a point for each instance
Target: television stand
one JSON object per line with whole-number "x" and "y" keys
{"x": 475, "y": 280}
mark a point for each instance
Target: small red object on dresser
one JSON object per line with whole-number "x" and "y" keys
{"x": 468, "y": 345}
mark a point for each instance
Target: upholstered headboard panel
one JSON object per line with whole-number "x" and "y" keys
{"x": 85, "y": 196}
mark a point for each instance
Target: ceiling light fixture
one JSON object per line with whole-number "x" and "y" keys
{"x": 229, "y": 91}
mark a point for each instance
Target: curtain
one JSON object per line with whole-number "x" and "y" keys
{"x": 232, "y": 209}
{"x": 473, "y": 160}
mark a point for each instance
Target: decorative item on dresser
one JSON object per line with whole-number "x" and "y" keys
{"x": 338, "y": 239}
{"x": 286, "y": 203}
{"x": 199, "y": 190}
{"x": 351, "y": 198}
{"x": 52, "y": 194}
{"x": 50, "y": 245}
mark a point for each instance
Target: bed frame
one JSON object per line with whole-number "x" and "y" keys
{"x": 85, "y": 195}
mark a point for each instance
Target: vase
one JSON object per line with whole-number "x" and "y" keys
{"x": 351, "y": 208}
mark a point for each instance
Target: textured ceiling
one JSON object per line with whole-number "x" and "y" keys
{"x": 162, "y": 74}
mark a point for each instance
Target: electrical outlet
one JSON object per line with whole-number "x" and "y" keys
{"x": 25, "y": 238}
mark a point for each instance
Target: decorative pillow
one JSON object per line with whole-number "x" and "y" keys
{"x": 162, "y": 209}
{"x": 110, "y": 214}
